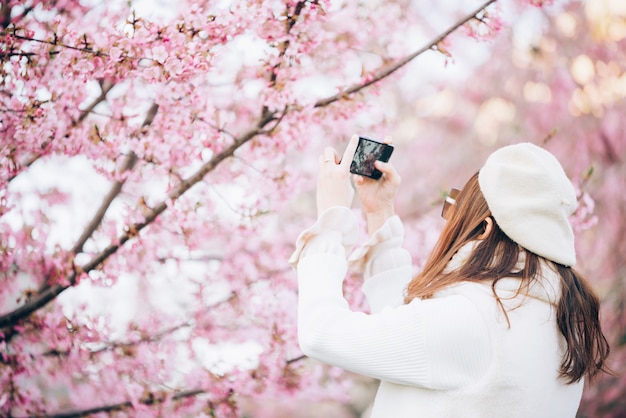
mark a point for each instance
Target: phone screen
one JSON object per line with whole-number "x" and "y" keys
{"x": 368, "y": 151}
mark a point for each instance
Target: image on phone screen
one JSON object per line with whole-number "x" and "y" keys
{"x": 366, "y": 153}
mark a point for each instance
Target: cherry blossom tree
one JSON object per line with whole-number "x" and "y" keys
{"x": 158, "y": 163}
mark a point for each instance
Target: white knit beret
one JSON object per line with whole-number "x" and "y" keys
{"x": 531, "y": 198}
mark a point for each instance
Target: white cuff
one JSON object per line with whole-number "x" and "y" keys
{"x": 335, "y": 232}
{"x": 386, "y": 242}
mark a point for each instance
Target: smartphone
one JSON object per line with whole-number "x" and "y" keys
{"x": 368, "y": 151}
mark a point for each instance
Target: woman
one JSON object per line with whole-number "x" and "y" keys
{"x": 497, "y": 324}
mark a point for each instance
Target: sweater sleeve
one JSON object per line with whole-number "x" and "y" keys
{"x": 386, "y": 265}
{"x": 439, "y": 343}
{"x": 383, "y": 250}
{"x": 334, "y": 232}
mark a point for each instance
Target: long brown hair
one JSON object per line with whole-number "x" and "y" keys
{"x": 494, "y": 258}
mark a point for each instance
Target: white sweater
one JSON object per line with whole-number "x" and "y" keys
{"x": 450, "y": 356}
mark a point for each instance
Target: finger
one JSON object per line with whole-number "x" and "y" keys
{"x": 388, "y": 139}
{"x": 320, "y": 161}
{"x": 330, "y": 155}
{"x": 324, "y": 157}
{"x": 389, "y": 171}
{"x": 346, "y": 160}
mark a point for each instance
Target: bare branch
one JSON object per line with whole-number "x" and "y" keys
{"x": 8, "y": 54}
{"x": 91, "y": 227}
{"x": 150, "y": 399}
{"x": 282, "y": 47}
{"x": 105, "y": 88}
{"x": 6, "y": 11}
{"x": 549, "y": 136}
{"x": 5, "y": 14}
{"x": 201, "y": 259}
{"x": 55, "y": 42}
{"x": 296, "y": 359}
{"x": 388, "y": 70}
{"x": 112, "y": 345}
{"x": 116, "y": 188}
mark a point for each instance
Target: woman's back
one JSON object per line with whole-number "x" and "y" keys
{"x": 521, "y": 379}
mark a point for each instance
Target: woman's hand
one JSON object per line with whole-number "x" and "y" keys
{"x": 378, "y": 196}
{"x": 333, "y": 184}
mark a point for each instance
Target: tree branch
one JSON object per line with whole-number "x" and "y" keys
{"x": 8, "y": 54}
{"x": 115, "y": 190}
{"x": 105, "y": 88}
{"x": 391, "y": 68}
{"x": 296, "y": 359}
{"x": 84, "y": 49}
{"x": 282, "y": 47}
{"x": 112, "y": 345}
{"x": 150, "y": 399}
{"x": 5, "y": 14}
